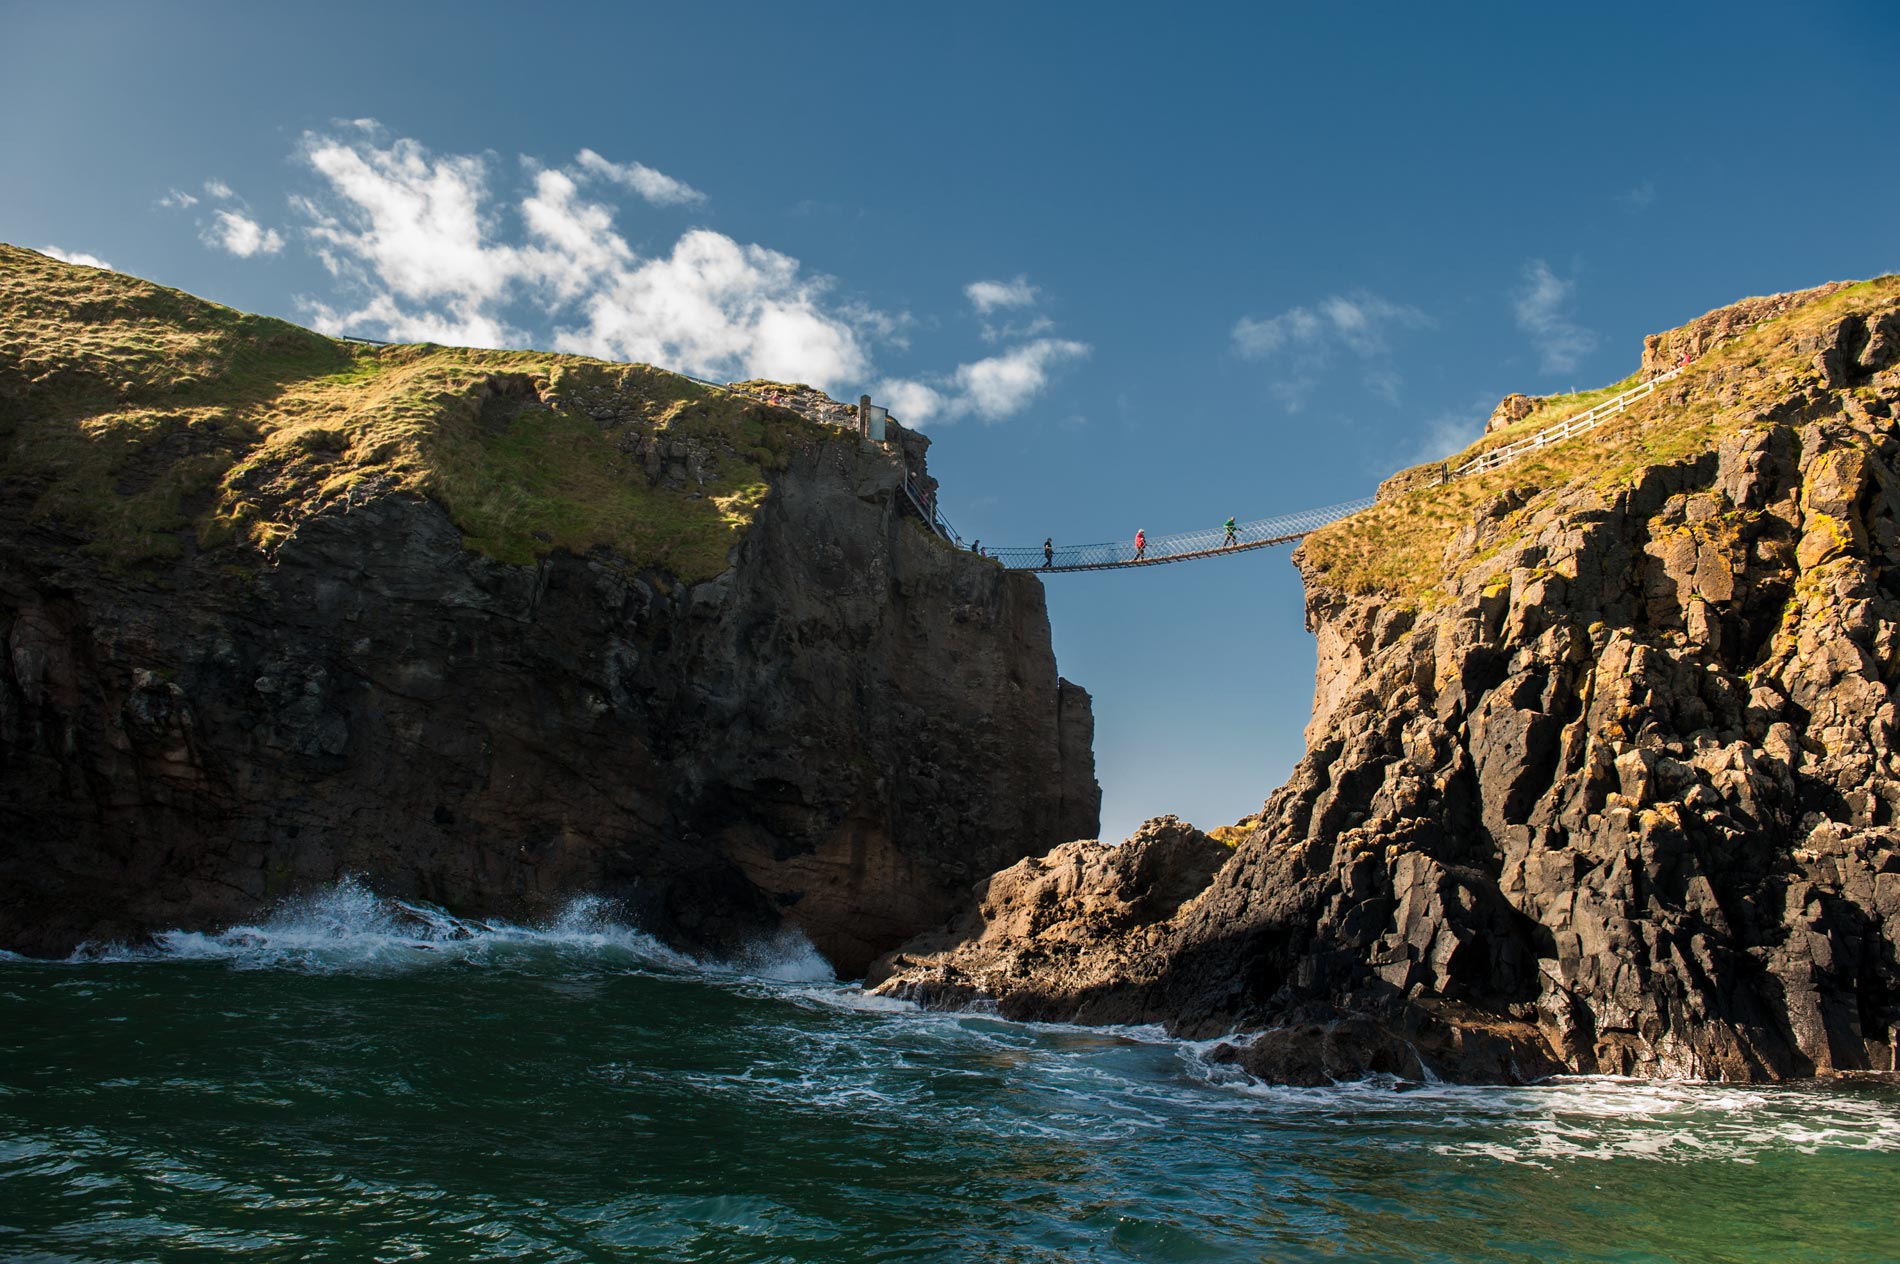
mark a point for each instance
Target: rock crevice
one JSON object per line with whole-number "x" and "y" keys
{"x": 1622, "y": 800}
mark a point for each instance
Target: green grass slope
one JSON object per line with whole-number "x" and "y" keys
{"x": 141, "y": 418}
{"x": 1399, "y": 547}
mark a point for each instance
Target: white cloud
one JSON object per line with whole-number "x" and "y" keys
{"x": 241, "y": 235}
{"x": 987, "y": 296}
{"x": 75, "y": 256}
{"x": 992, "y": 388}
{"x": 1359, "y": 322}
{"x": 178, "y": 200}
{"x": 656, "y": 187}
{"x": 425, "y": 236}
{"x": 1303, "y": 342}
{"x": 219, "y": 189}
{"x": 911, "y": 402}
{"x": 1004, "y": 384}
{"x": 1540, "y": 306}
{"x": 427, "y": 246}
{"x": 715, "y": 306}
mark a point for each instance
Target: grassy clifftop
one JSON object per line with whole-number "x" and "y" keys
{"x": 142, "y": 417}
{"x": 1399, "y": 547}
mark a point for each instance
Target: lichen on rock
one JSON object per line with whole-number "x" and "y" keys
{"x": 492, "y": 629}
{"x": 1602, "y": 777}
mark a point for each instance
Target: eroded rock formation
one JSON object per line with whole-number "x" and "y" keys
{"x": 840, "y": 732}
{"x": 1620, "y": 796}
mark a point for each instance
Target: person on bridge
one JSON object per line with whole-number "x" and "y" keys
{"x": 1048, "y": 552}
{"x": 1141, "y": 544}
{"x": 1231, "y": 537}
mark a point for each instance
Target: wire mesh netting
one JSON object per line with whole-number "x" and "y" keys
{"x": 1178, "y": 547}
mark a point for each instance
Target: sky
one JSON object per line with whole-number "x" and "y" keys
{"x": 1130, "y": 266}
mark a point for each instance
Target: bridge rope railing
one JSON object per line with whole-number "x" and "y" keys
{"x": 1286, "y": 528}
{"x": 1179, "y": 547}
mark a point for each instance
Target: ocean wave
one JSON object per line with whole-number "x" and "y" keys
{"x": 348, "y": 928}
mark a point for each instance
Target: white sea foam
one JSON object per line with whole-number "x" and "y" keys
{"x": 348, "y": 927}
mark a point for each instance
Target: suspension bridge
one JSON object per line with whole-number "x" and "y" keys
{"x": 1187, "y": 546}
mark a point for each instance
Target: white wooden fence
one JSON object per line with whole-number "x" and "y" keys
{"x": 1578, "y": 423}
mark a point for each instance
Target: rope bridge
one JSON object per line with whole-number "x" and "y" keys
{"x": 1265, "y": 532}
{"x": 1180, "y": 547}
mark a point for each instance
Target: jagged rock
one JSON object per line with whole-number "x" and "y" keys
{"x": 1511, "y": 410}
{"x": 1625, "y": 799}
{"x": 839, "y": 732}
{"x": 1662, "y": 352}
{"x": 1043, "y": 917}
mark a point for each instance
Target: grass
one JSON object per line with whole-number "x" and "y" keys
{"x": 1402, "y": 547}
{"x": 1551, "y": 409}
{"x": 143, "y": 418}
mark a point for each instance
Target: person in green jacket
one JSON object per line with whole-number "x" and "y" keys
{"x": 1231, "y": 537}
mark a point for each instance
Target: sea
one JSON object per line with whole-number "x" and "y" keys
{"x": 360, "y": 1079}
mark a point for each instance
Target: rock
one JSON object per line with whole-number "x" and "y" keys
{"x": 839, "y": 734}
{"x": 1622, "y": 801}
{"x": 1661, "y": 352}
{"x": 1511, "y": 410}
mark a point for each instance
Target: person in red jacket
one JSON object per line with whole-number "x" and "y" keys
{"x": 1141, "y": 544}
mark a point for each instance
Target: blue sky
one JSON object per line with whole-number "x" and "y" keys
{"x": 1132, "y": 266}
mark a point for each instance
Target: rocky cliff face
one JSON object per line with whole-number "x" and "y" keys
{"x": 840, "y": 731}
{"x": 1614, "y": 790}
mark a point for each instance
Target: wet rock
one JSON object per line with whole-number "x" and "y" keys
{"x": 1626, "y": 800}
{"x": 840, "y": 734}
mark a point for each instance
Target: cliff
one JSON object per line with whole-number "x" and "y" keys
{"x": 488, "y": 628}
{"x": 1601, "y": 774}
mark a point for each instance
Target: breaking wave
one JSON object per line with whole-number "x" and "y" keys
{"x": 349, "y": 928}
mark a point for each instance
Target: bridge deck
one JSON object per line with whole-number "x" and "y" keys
{"x": 1182, "y": 547}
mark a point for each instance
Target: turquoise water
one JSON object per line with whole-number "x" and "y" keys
{"x": 350, "y": 1081}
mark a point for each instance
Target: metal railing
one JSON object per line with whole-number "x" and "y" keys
{"x": 1179, "y": 547}
{"x": 1576, "y": 424}
{"x": 925, "y": 505}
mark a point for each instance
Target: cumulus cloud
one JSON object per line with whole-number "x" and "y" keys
{"x": 655, "y": 186}
{"x": 991, "y": 389}
{"x": 996, "y": 386}
{"x": 178, "y": 200}
{"x": 988, "y": 296}
{"x": 464, "y": 249}
{"x": 1540, "y": 305}
{"x": 1004, "y": 384}
{"x": 720, "y": 307}
{"x": 219, "y": 189}
{"x": 240, "y": 235}
{"x": 428, "y": 239}
{"x": 1303, "y": 344}
{"x": 911, "y": 402}
{"x": 75, "y": 256}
